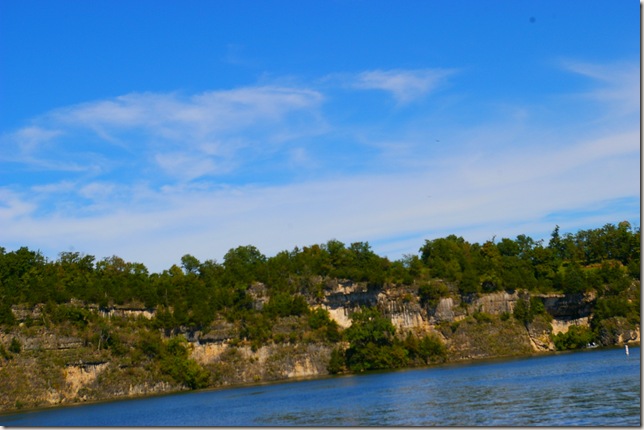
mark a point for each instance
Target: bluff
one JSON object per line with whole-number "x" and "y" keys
{"x": 57, "y": 364}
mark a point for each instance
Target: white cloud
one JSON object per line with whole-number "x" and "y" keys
{"x": 186, "y": 166}
{"x": 619, "y": 84}
{"x": 399, "y": 210}
{"x": 404, "y": 85}
{"x": 170, "y": 131}
{"x": 503, "y": 176}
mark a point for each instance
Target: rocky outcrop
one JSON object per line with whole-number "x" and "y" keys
{"x": 80, "y": 375}
{"x": 43, "y": 339}
{"x": 563, "y": 325}
{"x": 471, "y": 327}
{"x": 539, "y": 333}
{"x": 402, "y": 307}
{"x": 494, "y": 303}
{"x": 242, "y": 364}
{"x": 568, "y": 307}
{"x": 617, "y": 331}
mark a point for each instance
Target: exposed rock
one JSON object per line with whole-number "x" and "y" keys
{"x": 495, "y": 303}
{"x": 127, "y": 312}
{"x": 572, "y": 306}
{"x": 259, "y": 294}
{"x": 562, "y": 325}
{"x": 617, "y": 331}
{"x": 539, "y": 331}
{"x": 80, "y": 375}
{"x": 402, "y": 308}
{"x": 22, "y": 313}
{"x": 43, "y": 339}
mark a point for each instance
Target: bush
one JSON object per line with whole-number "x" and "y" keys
{"x": 6, "y": 315}
{"x": 373, "y": 343}
{"x": 525, "y": 310}
{"x": 428, "y": 349}
{"x": 431, "y": 293}
{"x": 175, "y": 363}
{"x": 4, "y": 354}
{"x": 284, "y": 305}
{"x": 576, "y": 337}
{"x": 337, "y": 362}
{"x": 321, "y": 322}
{"x": 482, "y": 317}
{"x": 15, "y": 346}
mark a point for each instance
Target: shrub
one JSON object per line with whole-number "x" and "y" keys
{"x": 575, "y": 338}
{"x": 175, "y": 363}
{"x": 4, "y": 354}
{"x": 6, "y": 315}
{"x": 482, "y": 317}
{"x": 428, "y": 349}
{"x": 15, "y": 346}
{"x": 337, "y": 362}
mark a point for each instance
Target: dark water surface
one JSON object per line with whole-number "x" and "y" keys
{"x": 589, "y": 388}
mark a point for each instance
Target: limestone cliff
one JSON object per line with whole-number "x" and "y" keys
{"x": 58, "y": 366}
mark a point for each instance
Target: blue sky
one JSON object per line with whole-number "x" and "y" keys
{"x": 152, "y": 129}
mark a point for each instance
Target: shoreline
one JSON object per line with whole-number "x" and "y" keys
{"x": 461, "y": 362}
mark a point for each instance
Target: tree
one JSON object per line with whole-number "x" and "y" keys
{"x": 175, "y": 363}
{"x": 190, "y": 264}
{"x": 242, "y": 266}
{"x": 447, "y": 258}
{"x": 372, "y": 342}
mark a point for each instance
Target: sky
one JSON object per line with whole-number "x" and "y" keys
{"x": 154, "y": 129}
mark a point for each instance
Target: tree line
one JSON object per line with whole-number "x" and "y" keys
{"x": 193, "y": 294}
{"x": 605, "y": 259}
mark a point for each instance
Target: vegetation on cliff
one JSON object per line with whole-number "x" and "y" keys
{"x": 253, "y": 301}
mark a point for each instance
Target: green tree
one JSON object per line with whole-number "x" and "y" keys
{"x": 176, "y": 363}
{"x": 242, "y": 266}
{"x": 576, "y": 337}
{"x": 372, "y": 342}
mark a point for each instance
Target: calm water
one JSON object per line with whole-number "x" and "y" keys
{"x": 590, "y": 388}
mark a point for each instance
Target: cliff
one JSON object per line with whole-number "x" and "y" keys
{"x": 59, "y": 364}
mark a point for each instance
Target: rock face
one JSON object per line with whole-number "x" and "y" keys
{"x": 79, "y": 375}
{"x": 44, "y": 339}
{"x": 470, "y": 327}
{"x": 495, "y": 303}
{"x": 242, "y": 364}
{"x": 568, "y": 307}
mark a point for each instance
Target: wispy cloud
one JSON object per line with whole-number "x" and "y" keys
{"x": 183, "y": 136}
{"x": 164, "y": 171}
{"x": 404, "y": 85}
{"x": 616, "y": 84}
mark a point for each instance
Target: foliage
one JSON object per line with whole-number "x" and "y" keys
{"x": 336, "y": 362}
{"x": 175, "y": 363}
{"x": 4, "y": 353}
{"x": 431, "y": 292}
{"x": 284, "y": 305}
{"x": 15, "y": 346}
{"x": 526, "y": 309}
{"x": 320, "y": 321}
{"x": 576, "y": 337}
{"x": 6, "y": 315}
{"x": 428, "y": 349}
{"x": 188, "y": 296}
{"x": 372, "y": 342}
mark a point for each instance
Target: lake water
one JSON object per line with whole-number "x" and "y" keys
{"x": 589, "y": 388}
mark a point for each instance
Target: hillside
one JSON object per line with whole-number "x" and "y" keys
{"x": 75, "y": 330}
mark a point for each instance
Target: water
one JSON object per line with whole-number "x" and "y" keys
{"x": 590, "y": 388}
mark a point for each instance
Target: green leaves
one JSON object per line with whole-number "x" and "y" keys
{"x": 175, "y": 363}
{"x": 373, "y": 343}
